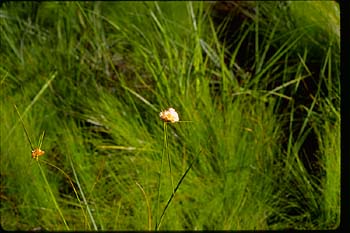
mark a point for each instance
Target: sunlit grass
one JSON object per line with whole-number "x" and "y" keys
{"x": 95, "y": 76}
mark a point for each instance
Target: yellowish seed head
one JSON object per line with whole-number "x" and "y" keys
{"x": 37, "y": 152}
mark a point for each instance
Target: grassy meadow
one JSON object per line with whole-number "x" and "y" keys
{"x": 94, "y": 76}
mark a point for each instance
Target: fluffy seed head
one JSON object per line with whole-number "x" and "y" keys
{"x": 169, "y": 115}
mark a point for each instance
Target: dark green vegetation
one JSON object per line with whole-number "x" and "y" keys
{"x": 261, "y": 94}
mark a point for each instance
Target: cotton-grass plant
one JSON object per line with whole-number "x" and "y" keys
{"x": 36, "y": 153}
{"x": 168, "y": 116}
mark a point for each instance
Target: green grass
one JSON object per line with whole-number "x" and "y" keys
{"x": 95, "y": 75}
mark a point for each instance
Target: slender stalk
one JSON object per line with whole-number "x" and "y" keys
{"x": 44, "y": 87}
{"x": 177, "y": 186}
{"x": 169, "y": 158}
{"x": 41, "y": 139}
{"x": 148, "y": 207}
{"x": 70, "y": 181}
{"x": 25, "y": 130}
{"x": 160, "y": 173}
{"x": 83, "y": 196}
{"x": 53, "y": 197}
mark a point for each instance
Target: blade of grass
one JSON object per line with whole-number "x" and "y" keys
{"x": 82, "y": 194}
{"x": 25, "y": 130}
{"x": 148, "y": 207}
{"x": 141, "y": 98}
{"x": 279, "y": 53}
{"x": 159, "y": 179}
{"x": 69, "y": 179}
{"x": 53, "y": 197}
{"x": 274, "y": 91}
{"x": 168, "y": 154}
{"x": 33, "y": 102}
{"x": 41, "y": 139}
{"x": 177, "y": 187}
{"x": 257, "y": 52}
{"x": 309, "y": 111}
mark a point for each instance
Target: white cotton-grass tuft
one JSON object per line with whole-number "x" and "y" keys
{"x": 169, "y": 115}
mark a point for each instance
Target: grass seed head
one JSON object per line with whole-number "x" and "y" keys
{"x": 37, "y": 152}
{"x": 169, "y": 115}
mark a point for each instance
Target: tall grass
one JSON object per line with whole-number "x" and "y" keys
{"x": 116, "y": 66}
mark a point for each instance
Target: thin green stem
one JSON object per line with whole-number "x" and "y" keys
{"x": 160, "y": 173}
{"x": 41, "y": 139}
{"x": 148, "y": 206}
{"x": 53, "y": 197}
{"x": 169, "y": 158}
{"x": 177, "y": 187}
{"x": 70, "y": 181}
{"x": 83, "y": 196}
{"x": 25, "y": 130}
{"x": 44, "y": 87}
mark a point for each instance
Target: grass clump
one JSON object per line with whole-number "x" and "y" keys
{"x": 94, "y": 76}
